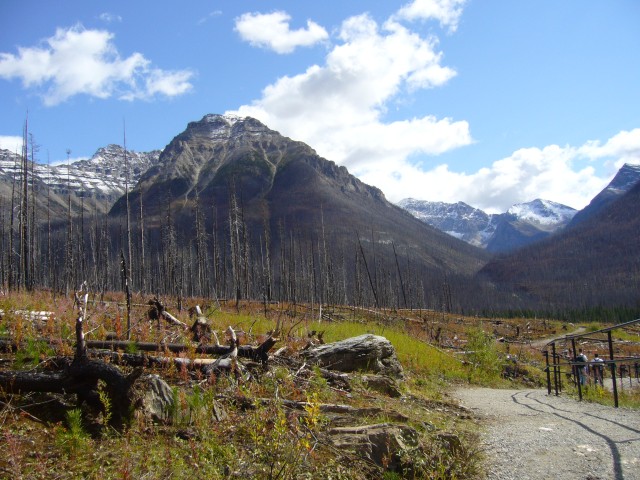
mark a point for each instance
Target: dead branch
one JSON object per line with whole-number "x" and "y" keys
{"x": 259, "y": 353}
{"x": 80, "y": 376}
{"x": 158, "y": 311}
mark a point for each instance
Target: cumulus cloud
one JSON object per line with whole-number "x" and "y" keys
{"x": 272, "y": 31}
{"x": 338, "y": 107}
{"x": 562, "y": 174}
{"x": 618, "y": 150}
{"x": 10, "y": 142}
{"x": 79, "y": 61}
{"x": 447, "y": 12}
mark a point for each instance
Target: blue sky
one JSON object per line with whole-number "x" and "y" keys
{"x": 490, "y": 102}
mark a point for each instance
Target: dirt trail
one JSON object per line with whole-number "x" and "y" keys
{"x": 532, "y": 435}
{"x": 543, "y": 341}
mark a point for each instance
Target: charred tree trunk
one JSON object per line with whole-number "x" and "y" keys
{"x": 81, "y": 376}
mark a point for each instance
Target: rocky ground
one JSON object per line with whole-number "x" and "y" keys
{"x": 531, "y": 435}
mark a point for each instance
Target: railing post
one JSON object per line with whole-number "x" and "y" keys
{"x": 613, "y": 370}
{"x": 576, "y": 369}
{"x": 555, "y": 367}
{"x": 546, "y": 358}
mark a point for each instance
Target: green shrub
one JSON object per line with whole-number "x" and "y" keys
{"x": 485, "y": 363}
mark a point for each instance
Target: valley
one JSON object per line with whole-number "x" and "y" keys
{"x": 232, "y": 209}
{"x": 220, "y": 270}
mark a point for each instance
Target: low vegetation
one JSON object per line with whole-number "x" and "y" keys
{"x": 244, "y": 426}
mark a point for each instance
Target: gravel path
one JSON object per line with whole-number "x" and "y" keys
{"x": 532, "y": 435}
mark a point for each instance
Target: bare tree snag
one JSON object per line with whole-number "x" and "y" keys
{"x": 201, "y": 329}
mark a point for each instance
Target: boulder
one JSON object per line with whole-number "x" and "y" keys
{"x": 382, "y": 384}
{"x": 383, "y": 444}
{"x": 154, "y": 398}
{"x": 369, "y": 353}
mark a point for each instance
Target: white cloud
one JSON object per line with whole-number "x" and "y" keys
{"x": 338, "y": 107}
{"x": 272, "y": 31}
{"x": 11, "y": 142}
{"x": 209, "y": 16}
{"x": 447, "y": 12}
{"x": 110, "y": 17}
{"x": 78, "y": 61}
{"x": 622, "y": 148}
{"x": 562, "y": 174}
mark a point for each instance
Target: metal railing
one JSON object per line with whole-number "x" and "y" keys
{"x": 566, "y": 361}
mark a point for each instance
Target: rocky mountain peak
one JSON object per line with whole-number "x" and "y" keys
{"x": 626, "y": 178}
{"x": 622, "y": 182}
{"x": 223, "y": 127}
{"x": 543, "y": 212}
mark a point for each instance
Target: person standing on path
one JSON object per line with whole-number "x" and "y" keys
{"x": 583, "y": 367}
{"x": 598, "y": 369}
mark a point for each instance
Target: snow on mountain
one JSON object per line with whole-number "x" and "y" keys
{"x": 543, "y": 213}
{"x": 102, "y": 177}
{"x": 624, "y": 180}
{"x": 520, "y": 225}
{"x": 456, "y": 219}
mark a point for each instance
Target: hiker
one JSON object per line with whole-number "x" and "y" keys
{"x": 597, "y": 365}
{"x": 583, "y": 370}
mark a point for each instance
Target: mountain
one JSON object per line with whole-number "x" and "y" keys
{"x": 231, "y": 175}
{"x": 521, "y": 225}
{"x": 456, "y": 219}
{"x": 624, "y": 180}
{"x": 99, "y": 181}
{"x": 595, "y": 264}
{"x": 527, "y": 223}
{"x": 104, "y": 175}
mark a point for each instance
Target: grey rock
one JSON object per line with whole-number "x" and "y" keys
{"x": 382, "y": 444}
{"x": 382, "y": 384}
{"x": 155, "y": 398}
{"x": 369, "y": 353}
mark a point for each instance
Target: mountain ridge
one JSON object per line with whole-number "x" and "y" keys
{"x": 521, "y": 225}
{"x": 281, "y": 189}
{"x": 101, "y": 178}
{"x": 626, "y": 177}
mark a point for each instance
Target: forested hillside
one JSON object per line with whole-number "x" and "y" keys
{"x": 594, "y": 266}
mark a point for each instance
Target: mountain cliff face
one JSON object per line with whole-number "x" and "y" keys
{"x": 625, "y": 179}
{"x": 521, "y": 225}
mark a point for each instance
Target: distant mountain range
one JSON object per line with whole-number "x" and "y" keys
{"x": 95, "y": 183}
{"x": 521, "y": 225}
{"x": 231, "y": 205}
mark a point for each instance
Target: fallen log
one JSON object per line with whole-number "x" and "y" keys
{"x": 82, "y": 377}
{"x": 258, "y": 353}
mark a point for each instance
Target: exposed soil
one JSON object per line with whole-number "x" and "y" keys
{"x": 531, "y": 435}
